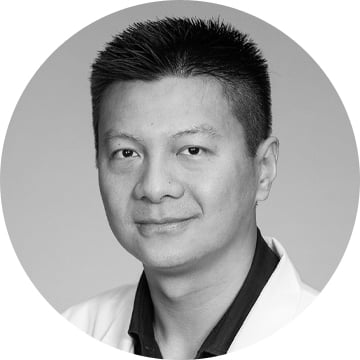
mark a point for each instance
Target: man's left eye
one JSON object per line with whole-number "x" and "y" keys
{"x": 123, "y": 154}
{"x": 192, "y": 150}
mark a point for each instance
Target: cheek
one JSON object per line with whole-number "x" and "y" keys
{"x": 115, "y": 195}
{"x": 231, "y": 189}
{"x": 117, "y": 203}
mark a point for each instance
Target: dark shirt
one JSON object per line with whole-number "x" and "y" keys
{"x": 222, "y": 335}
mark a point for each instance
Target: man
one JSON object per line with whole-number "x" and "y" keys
{"x": 182, "y": 123}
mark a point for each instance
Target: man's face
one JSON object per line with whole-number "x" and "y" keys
{"x": 177, "y": 185}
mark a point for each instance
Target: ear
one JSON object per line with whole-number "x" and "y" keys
{"x": 266, "y": 162}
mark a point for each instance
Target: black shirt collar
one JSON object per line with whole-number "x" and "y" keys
{"x": 222, "y": 335}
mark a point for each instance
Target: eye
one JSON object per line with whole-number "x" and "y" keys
{"x": 192, "y": 151}
{"x": 125, "y": 154}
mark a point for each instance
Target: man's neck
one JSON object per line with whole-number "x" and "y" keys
{"x": 188, "y": 304}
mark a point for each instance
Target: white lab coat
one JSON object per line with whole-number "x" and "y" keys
{"x": 106, "y": 317}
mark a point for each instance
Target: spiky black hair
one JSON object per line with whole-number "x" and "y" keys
{"x": 187, "y": 47}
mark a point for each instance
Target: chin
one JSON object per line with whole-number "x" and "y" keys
{"x": 167, "y": 253}
{"x": 174, "y": 261}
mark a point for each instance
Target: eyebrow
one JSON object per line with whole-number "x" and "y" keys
{"x": 203, "y": 129}
{"x": 111, "y": 135}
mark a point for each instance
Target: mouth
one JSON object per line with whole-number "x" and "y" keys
{"x": 165, "y": 226}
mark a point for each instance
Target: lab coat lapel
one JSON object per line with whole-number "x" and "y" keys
{"x": 276, "y": 305}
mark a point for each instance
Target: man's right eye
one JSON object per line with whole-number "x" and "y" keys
{"x": 124, "y": 154}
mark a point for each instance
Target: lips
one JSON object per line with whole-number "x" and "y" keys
{"x": 164, "y": 226}
{"x": 168, "y": 220}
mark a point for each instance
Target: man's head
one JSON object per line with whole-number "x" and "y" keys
{"x": 190, "y": 48}
{"x": 183, "y": 150}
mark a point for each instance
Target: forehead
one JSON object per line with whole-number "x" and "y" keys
{"x": 166, "y": 106}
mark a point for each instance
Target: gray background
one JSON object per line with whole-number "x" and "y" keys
{"x": 50, "y": 196}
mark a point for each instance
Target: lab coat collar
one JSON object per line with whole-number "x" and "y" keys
{"x": 278, "y": 303}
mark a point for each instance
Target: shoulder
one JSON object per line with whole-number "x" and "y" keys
{"x": 287, "y": 276}
{"x": 308, "y": 294}
{"x": 286, "y": 286}
{"x": 96, "y": 315}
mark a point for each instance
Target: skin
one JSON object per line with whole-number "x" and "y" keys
{"x": 179, "y": 192}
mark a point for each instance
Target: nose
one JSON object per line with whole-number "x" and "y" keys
{"x": 158, "y": 182}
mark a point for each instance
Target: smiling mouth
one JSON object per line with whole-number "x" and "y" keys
{"x": 168, "y": 226}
